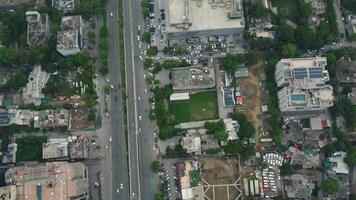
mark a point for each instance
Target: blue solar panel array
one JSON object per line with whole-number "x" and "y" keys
{"x": 315, "y": 72}
{"x": 300, "y": 73}
{"x": 228, "y": 97}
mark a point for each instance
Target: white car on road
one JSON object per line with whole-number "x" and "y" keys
{"x": 111, "y": 14}
{"x": 110, "y": 139}
{"x": 139, "y": 117}
{"x": 121, "y": 186}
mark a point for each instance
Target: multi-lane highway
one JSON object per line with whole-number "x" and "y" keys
{"x": 125, "y": 172}
{"x": 141, "y": 139}
{"x": 115, "y": 179}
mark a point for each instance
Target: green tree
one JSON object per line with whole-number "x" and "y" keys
{"x": 285, "y": 33}
{"x": 155, "y": 166}
{"x": 329, "y": 149}
{"x": 230, "y": 62}
{"x": 247, "y": 130}
{"x": 218, "y": 129}
{"x": 107, "y": 89}
{"x": 351, "y": 158}
{"x": 305, "y": 37}
{"x": 146, "y": 37}
{"x": 289, "y": 51}
{"x": 330, "y": 186}
{"x": 258, "y": 10}
{"x": 286, "y": 169}
{"x": 152, "y": 51}
{"x": 158, "y": 196}
{"x": 7, "y": 56}
{"x": 233, "y": 147}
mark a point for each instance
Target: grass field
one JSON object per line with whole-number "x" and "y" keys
{"x": 200, "y": 106}
{"x": 287, "y": 8}
{"x": 195, "y": 177}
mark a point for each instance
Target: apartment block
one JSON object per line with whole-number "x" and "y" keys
{"x": 303, "y": 84}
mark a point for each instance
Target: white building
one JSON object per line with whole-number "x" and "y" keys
{"x": 303, "y": 84}
{"x": 37, "y": 80}
{"x": 69, "y": 38}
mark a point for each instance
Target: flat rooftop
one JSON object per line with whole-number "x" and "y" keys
{"x": 69, "y": 35}
{"x": 303, "y": 73}
{"x": 63, "y": 5}
{"x": 53, "y": 180}
{"x": 5, "y": 4}
{"x": 55, "y": 148}
{"x": 200, "y": 15}
{"x": 37, "y": 28}
{"x": 193, "y": 78}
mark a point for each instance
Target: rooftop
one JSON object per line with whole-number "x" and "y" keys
{"x": 346, "y": 72}
{"x": 55, "y": 148}
{"x": 337, "y": 163}
{"x": 302, "y": 99}
{"x": 69, "y": 38}
{"x": 232, "y": 127}
{"x": 191, "y": 142}
{"x": 10, "y": 155}
{"x": 53, "y": 180}
{"x": 298, "y": 186}
{"x": 193, "y": 78}
{"x": 8, "y": 4}
{"x": 38, "y": 28}
{"x": 63, "y": 5}
{"x": 308, "y": 158}
{"x": 37, "y": 80}
{"x": 302, "y": 73}
{"x": 8, "y": 192}
{"x": 203, "y": 15}
{"x": 41, "y": 119}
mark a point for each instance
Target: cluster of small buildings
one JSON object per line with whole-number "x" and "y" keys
{"x": 38, "y": 28}
{"x": 196, "y": 140}
{"x": 189, "y": 180}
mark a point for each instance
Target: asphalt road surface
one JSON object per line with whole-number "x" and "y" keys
{"x": 115, "y": 183}
{"x": 141, "y": 143}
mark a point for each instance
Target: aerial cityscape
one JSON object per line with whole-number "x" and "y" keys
{"x": 177, "y": 99}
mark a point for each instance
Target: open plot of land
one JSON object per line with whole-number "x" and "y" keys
{"x": 254, "y": 96}
{"x": 200, "y": 106}
{"x": 287, "y": 8}
{"x": 223, "y": 173}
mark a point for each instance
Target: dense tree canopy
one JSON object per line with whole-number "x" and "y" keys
{"x": 330, "y": 186}
{"x": 218, "y": 129}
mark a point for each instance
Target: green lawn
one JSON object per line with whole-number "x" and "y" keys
{"x": 29, "y": 148}
{"x": 195, "y": 177}
{"x": 287, "y": 8}
{"x": 200, "y": 106}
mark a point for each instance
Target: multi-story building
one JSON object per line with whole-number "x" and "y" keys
{"x": 302, "y": 83}
{"x": 187, "y": 19}
{"x": 52, "y": 180}
{"x": 37, "y": 80}
{"x": 38, "y": 28}
{"x": 69, "y": 38}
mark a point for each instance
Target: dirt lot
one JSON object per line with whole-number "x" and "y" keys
{"x": 251, "y": 86}
{"x": 217, "y": 172}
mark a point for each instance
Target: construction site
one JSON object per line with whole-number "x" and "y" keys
{"x": 221, "y": 178}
